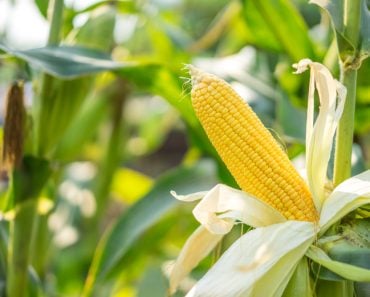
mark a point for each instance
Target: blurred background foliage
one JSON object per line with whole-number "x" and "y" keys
{"x": 119, "y": 131}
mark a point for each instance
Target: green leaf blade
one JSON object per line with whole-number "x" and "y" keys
{"x": 147, "y": 212}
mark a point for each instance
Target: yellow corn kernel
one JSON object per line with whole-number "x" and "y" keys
{"x": 252, "y": 155}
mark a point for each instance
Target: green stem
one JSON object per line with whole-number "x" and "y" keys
{"x": 25, "y": 185}
{"x": 21, "y": 229}
{"x": 41, "y": 246}
{"x": 343, "y": 152}
{"x": 344, "y": 141}
{"x": 56, "y": 20}
{"x": 19, "y": 251}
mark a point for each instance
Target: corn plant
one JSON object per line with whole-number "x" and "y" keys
{"x": 118, "y": 131}
{"x": 291, "y": 224}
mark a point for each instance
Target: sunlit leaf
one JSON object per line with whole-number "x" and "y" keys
{"x": 287, "y": 26}
{"x": 256, "y": 30}
{"x": 130, "y": 185}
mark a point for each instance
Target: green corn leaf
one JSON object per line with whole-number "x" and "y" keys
{"x": 86, "y": 52}
{"x": 97, "y": 33}
{"x": 82, "y": 128}
{"x": 164, "y": 82}
{"x": 88, "y": 55}
{"x": 352, "y": 246}
{"x": 286, "y": 26}
{"x": 42, "y": 5}
{"x": 63, "y": 98}
{"x": 153, "y": 283}
{"x": 123, "y": 6}
{"x": 346, "y": 271}
{"x": 286, "y": 114}
{"x": 70, "y": 62}
{"x": 67, "y": 61}
{"x": 35, "y": 285}
{"x": 362, "y": 289}
{"x": 325, "y": 288}
{"x": 349, "y": 46}
{"x": 145, "y": 213}
{"x": 256, "y": 30}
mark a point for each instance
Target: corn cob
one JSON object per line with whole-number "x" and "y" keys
{"x": 14, "y": 127}
{"x": 254, "y": 158}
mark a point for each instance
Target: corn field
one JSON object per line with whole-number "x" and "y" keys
{"x": 185, "y": 148}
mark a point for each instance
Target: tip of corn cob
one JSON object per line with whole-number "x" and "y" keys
{"x": 196, "y": 74}
{"x": 193, "y": 71}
